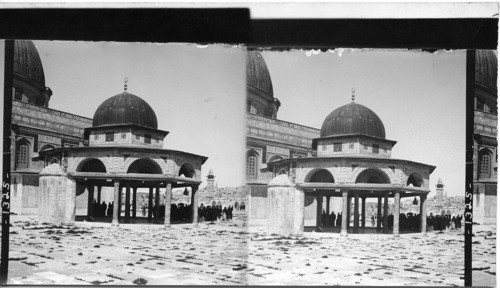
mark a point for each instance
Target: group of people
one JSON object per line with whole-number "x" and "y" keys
{"x": 444, "y": 221}
{"x": 215, "y": 213}
{"x": 407, "y": 221}
{"x": 333, "y": 220}
{"x": 103, "y": 209}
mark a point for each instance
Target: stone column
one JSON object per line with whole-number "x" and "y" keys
{"x": 397, "y": 203}
{"x": 194, "y": 203}
{"x": 90, "y": 202}
{"x": 168, "y": 203}
{"x": 363, "y": 211}
{"x": 116, "y": 208}
{"x": 99, "y": 194}
{"x": 349, "y": 201}
{"x": 356, "y": 213}
{"x": 157, "y": 204}
{"x": 343, "y": 230}
{"x": 423, "y": 213}
{"x": 319, "y": 207}
{"x": 386, "y": 208}
{"x": 120, "y": 202}
{"x": 134, "y": 202}
{"x": 150, "y": 204}
{"x": 327, "y": 224}
{"x": 127, "y": 203}
{"x": 379, "y": 212}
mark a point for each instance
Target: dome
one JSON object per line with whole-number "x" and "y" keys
{"x": 258, "y": 76}
{"x": 350, "y": 119}
{"x": 27, "y": 63}
{"x": 486, "y": 69}
{"x": 125, "y": 108}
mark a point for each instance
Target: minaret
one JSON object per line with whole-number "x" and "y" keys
{"x": 210, "y": 179}
{"x": 439, "y": 191}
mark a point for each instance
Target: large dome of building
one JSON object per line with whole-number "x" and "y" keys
{"x": 258, "y": 76}
{"x": 27, "y": 63}
{"x": 486, "y": 69}
{"x": 125, "y": 108}
{"x": 351, "y": 119}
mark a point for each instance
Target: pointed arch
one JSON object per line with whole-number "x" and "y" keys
{"x": 321, "y": 176}
{"x": 415, "y": 180}
{"x": 91, "y": 165}
{"x": 187, "y": 170}
{"x": 144, "y": 166}
{"x": 373, "y": 175}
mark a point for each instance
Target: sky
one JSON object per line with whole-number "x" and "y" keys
{"x": 197, "y": 92}
{"x": 419, "y": 96}
{"x": 198, "y": 95}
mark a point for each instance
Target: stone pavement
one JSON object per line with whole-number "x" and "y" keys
{"x": 229, "y": 253}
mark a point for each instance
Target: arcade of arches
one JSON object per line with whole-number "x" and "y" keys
{"x": 354, "y": 193}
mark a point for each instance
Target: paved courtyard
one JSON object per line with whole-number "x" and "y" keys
{"x": 229, "y": 253}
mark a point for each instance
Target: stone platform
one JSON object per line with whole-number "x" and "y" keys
{"x": 231, "y": 253}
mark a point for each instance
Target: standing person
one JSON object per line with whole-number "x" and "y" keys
{"x": 332, "y": 218}
{"x": 102, "y": 209}
{"x": 323, "y": 218}
{"x": 373, "y": 220}
{"x": 339, "y": 219}
{"x": 110, "y": 209}
{"x": 224, "y": 214}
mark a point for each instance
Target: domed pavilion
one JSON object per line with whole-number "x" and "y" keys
{"x": 124, "y": 150}
{"x": 354, "y": 162}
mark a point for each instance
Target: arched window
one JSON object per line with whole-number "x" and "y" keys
{"x": 252, "y": 160}
{"x": 22, "y": 154}
{"x": 484, "y": 164}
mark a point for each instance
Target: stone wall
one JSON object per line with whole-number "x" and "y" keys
{"x": 485, "y": 123}
{"x": 280, "y": 131}
{"x": 98, "y": 137}
{"x": 49, "y": 119}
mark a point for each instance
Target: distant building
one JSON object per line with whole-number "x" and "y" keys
{"x": 440, "y": 197}
{"x": 485, "y": 137}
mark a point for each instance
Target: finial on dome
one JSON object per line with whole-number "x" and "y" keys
{"x": 125, "y": 84}
{"x": 353, "y": 91}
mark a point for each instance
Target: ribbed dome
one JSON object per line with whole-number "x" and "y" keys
{"x": 257, "y": 74}
{"x": 27, "y": 62}
{"x": 125, "y": 108}
{"x": 353, "y": 118}
{"x": 486, "y": 68}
